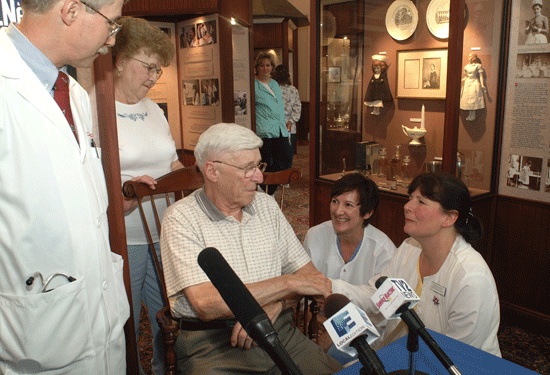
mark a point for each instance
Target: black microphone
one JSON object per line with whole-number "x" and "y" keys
{"x": 245, "y": 308}
{"x": 415, "y": 324}
{"x": 367, "y": 356}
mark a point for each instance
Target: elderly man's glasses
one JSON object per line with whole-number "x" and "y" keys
{"x": 151, "y": 68}
{"x": 113, "y": 26}
{"x": 248, "y": 170}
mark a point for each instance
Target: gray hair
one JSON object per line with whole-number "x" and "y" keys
{"x": 222, "y": 138}
{"x": 43, "y": 6}
{"x": 137, "y": 34}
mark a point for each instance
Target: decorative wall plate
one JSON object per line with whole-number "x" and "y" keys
{"x": 401, "y": 19}
{"x": 437, "y": 18}
{"x": 328, "y": 28}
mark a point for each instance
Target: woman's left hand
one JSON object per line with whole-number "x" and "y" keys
{"x": 148, "y": 180}
{"x": 129, "y": 203}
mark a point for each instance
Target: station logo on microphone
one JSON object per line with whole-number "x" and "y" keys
{"x": 342, "y": 323}
{"x": 392, "y": 294}
{"x": 347, "y": 324}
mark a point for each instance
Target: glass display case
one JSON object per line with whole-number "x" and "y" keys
{"x": 396, "y": 83}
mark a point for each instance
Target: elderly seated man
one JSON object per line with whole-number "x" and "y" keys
{"x": 251, "y": 232}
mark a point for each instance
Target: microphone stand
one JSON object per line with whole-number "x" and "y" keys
{"x": 412, "y": 347}
{"x": 415, "y": 324}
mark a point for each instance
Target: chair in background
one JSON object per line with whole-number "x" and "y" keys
{"x": 282, "y": 178}
{"x": 178, "y": 183}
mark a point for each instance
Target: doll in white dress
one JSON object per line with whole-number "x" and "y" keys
{"x": 472, "y": 96}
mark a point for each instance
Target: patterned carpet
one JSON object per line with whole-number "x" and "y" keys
{"x": 527, "y": 349}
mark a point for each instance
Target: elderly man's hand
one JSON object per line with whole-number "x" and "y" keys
{"x": 311, "y": 283}
{"x": 240, "y": 338}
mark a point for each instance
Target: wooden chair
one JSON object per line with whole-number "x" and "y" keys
{"x": 282, "y": 178}
{"x": 180, "y": 183}
{"x": 307, "y": 319}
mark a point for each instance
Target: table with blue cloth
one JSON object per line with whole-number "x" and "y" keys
{"x": 467, "y": 359}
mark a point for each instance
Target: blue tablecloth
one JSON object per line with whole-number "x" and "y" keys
{"x": 467, "y": 359}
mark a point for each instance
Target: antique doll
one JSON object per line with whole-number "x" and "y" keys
{"x": 378, "y": 89}
{"x": 472, "y": 95}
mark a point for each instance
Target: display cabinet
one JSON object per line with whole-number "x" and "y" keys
{"x": 401, "y": 88}
{"x": 471, "y": 78}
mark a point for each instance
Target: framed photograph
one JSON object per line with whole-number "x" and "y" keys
{"x": 334, "y": 74}
{"x": 422, "y": 74}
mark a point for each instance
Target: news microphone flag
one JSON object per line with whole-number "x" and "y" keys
{"x": 395, "y": 299}
{"x": 347, "y": 324}
{"x": 391, "y": 295}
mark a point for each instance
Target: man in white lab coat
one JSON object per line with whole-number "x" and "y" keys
{"x": 53, "y": 200}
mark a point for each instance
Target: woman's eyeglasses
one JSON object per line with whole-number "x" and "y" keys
{"x": 151, "y": 68}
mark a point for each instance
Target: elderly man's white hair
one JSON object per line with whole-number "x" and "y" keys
{"x": 224, "y": 137}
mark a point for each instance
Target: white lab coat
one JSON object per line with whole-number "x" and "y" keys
{"x": 53, "y": 204}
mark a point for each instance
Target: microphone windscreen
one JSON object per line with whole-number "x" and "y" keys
{"x": 334, "y": 303}
{"x": 380, "y": 281}
{"x": 233, "y": 291}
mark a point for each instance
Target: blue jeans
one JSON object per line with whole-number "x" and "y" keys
{"x": 146, "y": 288}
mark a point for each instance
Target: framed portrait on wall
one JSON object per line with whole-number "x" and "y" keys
{"x": 334, "y": 74}
{"x": 422, "y": 74}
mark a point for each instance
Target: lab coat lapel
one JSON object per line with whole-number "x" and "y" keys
{"x": 30, "y": 87}
{"x": 37, "y": 96}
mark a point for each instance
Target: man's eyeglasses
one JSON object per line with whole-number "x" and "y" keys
{"x": 151, "y": 68}
{"x": 248, "y": 170}
{"x": 113, "y": 26}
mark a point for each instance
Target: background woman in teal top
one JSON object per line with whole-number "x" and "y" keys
{"x": 270, "y": 117}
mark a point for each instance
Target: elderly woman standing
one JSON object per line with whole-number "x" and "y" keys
{"x": 458, "y": 295}
{"x": 270, "y": 118}
{"x": 147, "y": 151}
{"x": 291, "y": 98}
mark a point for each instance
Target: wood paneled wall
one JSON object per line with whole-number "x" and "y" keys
{"x": 181, "y": 9}
{"x": 268, "y": 35}
{"x": 169, "y": 7}
{"x": 521, "y": 261}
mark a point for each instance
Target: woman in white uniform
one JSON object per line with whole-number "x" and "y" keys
{"x": 147, "y": 151}
{"x": 458, "y": 295}
{"x": 347, "y": 247}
